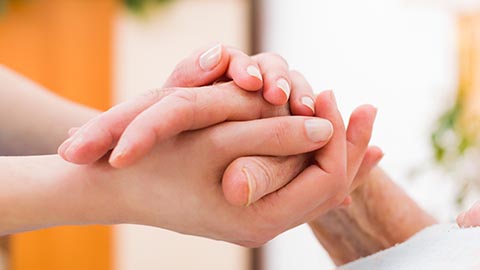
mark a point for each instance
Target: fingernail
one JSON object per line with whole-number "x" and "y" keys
{"x": 318, "y": 130}
{"x": 211, "y": 58}
{"x": 119, "y": 152}
{"x": 309, "y": 102}
{"x": 77, "y": 141}
{"x": 250, "y": 185}
{"x": 284, "y": 86}
{"x": 64, "y": 146}
{"x": 255, "y": 72}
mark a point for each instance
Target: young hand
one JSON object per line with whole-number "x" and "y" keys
{"x": 141, "y": 116}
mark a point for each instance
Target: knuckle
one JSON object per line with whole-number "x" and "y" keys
{"x": 217, "y": 142}
{"x": 158, "y": 93}
{"x": 276, "y": 57}
{"x": 185, "y": 95}
{"x": 185, "y": 100}
{"x": 280, "y": 133}
{"x": 296, "y": 73}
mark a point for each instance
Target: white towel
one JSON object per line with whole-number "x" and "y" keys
{"x": 439, "y": 247}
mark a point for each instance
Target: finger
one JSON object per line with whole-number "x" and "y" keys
{"x": 331, "y": 161}
{"x": 318, "y": 184}
{"x": 460, "y": 219}
{"x": 471, "y": 218}
{"x": 289, "y": 205}
{"x": 72, "y": 131}
{"x": 332, "y": 158}
{"x": 347, "y": 202}
{"x": 358, "y": 134}
{"x": 355, "y": 140}
{"x": 188, "y": 109}
{"x": 279, "y": 136}
{"x": 247, "y": 179}
{"x": 201, "y": 68}
{"x": 99, "y": 135}
{"x": 371, "y": 159}
{"x": 361, "y": 159}
{"x": 244, "y": 71}
{"x": 276, "y": 78}
{"x": 184, "y": 109}
{"x": 302, "y": 101}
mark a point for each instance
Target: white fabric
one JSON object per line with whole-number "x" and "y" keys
{"x": 440, "y": 247}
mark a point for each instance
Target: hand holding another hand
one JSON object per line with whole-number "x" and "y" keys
{"x": 273, "y": 164}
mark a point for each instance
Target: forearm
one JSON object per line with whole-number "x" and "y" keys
{"x": 381, "y": 215}
{"x": 33, "y": 120}
{"x": 44, "y": 191}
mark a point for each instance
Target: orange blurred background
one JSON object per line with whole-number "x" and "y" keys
{"x": 80, "y": 50}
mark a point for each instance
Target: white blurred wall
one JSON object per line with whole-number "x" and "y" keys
{"x": 394, "y": 54}
{"x": 146, "y": 50}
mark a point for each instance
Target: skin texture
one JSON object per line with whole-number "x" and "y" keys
{"x": 133, "y": 129}
{"x": 190, "y": 187}
{"x": 380, "y": 216}
{"x": 53, "y": 192}
{"x": 367, "y": 226}
{"x": 102, "y": 133}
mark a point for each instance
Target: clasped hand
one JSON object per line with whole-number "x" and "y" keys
{"x": 226, "y": 161}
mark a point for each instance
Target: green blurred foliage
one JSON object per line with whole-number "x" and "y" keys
{"x": 448, "y": 123}
{"x": 140, "y": 6}
{"x": 453, "y": 144}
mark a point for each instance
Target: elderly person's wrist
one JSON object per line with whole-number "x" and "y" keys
{"x": 381, "y": 215}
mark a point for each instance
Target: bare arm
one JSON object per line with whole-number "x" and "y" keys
{"x": 33, "y": 120}
{"x": 381, "y": 215}
{"x": 44, "y": 191}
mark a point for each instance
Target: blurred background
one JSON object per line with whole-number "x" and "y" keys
{"x": 418, "y": 61}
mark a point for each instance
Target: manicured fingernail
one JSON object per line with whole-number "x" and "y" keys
{"x": 318, "y": 129}
{"x": 250, "y": 185}
{"x": 211, "y": 58}
{"x": 309, "y": 102}
{"x": 255, "y": 72}
{"x": 284, "y": 86}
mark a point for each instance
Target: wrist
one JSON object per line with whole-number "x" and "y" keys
{"x": 45, "y": 191}
{"x": 381, "y": 215}
{"x": 91, "y": 194}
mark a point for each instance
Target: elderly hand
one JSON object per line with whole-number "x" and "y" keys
{"x": 254, "y": 178}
